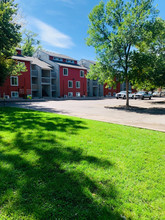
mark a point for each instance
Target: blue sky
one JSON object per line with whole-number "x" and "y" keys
{"x": 62, "y": 25}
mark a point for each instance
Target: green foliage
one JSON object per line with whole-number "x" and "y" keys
{"x": 60, "y": 167}
{"x": 148, "y": 65}
{"x": 30, "y": 43}
{"x": 116, "y": 28}
{"x": 9, "y": 31}
{"x": 10, "y": 36}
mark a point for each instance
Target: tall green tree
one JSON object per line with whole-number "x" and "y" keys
{"x": 115, "y": 29}
{"x": 151, "y": 74}
{"x": 10, "y": 36}
{"x": 30, "y": 43}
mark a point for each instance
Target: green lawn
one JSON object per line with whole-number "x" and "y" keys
{"x": 59, "y": 167}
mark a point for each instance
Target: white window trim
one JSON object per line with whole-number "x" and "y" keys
{"x": 68, "y": 84}
{"x": 76, "y": 85}
{"x": 78, "y": 95}
{"x": 11, "y": 80}
{"x": 83, "y": 73}
{"x": 70, "y": 93}
{"x": 63, "y": 71}
{"x": 14, "y": 96}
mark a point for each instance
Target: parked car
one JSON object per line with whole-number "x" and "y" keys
{"x": 133, "y": 95}
{"x": 142, "y": 95}
{"x": 122, "y": 95}
{"x": 158, "y": 94}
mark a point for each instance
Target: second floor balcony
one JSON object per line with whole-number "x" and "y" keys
{"x": 34, "y": 73}
{"x": 34, "y": 87}
{"x": 45, "y": 80}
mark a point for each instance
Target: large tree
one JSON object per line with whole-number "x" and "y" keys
{"x": 10, "y": 36}
{"x": 115, "y": 30}
{"x": 151, "y": 74}
{"x": 30, "y": 43}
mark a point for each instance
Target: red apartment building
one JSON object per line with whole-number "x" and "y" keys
{"x": 96, "y": 89}
{"x": 111, "y": 91}
{"x": 70, "y": 77}
{"x": 18, "y": 86}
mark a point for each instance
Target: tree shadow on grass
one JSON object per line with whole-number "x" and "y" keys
{"x": 27, "y": 119}
{"x": 39, "y": 175}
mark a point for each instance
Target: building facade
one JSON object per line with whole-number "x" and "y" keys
{"x": 37, "y": 81}
{"x": 96, "y": 89}
{"x": 70, "y": 77}
{"x": 18, "y": 86}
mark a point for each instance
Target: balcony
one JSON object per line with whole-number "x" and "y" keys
{"x": 34, "y": 87}
{"x": 53, "y": 88}
{"x": 95, "y": 83}
{"x": 45, "y": 80}
{"x": 34, "y": 73}
{"x": 53, "y": 74}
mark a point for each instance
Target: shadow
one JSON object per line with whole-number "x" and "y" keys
{"x": 159, "y": 102}
{"x": 27, "y": 105}
{"x": 44, "y": 176}
{"x": 139, "y": 110}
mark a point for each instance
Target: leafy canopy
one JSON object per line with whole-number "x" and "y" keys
{"x": 10, "y": 36}
{"x": 30, "y": 43}
{"x": 150, "y": 62}
{"x": 115, "y": 30}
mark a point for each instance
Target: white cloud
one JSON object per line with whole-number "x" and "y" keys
{"x": 51, "y": 35}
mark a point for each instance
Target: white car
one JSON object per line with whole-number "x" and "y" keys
{"x": 142, "y": 95}
{"x": 158, "y": 94}
{"x": 122, "y": 95}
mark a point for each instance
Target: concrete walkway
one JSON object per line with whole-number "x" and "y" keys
{"x": 148, "y": 114}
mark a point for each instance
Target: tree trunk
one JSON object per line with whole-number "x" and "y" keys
{"x": 127, "y": 94}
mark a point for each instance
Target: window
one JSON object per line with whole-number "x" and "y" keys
{"x": 70, "y": 61}
{"x": 14, "y": 80}
{"x": 21, "y": 62}
{"x": 81, "y": 73}
{"x": 57, "y": 59}
{"x": 70, "y": 94}
{"x": 65, "y": 72}
{"x": 14, "y": 95}
{"x": 77, "y": 94}
{"x": 70, "y": 84}
{"x": 77, "y": 84}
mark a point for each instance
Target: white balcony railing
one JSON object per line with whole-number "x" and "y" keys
{"x": 53, "y": 88}
{"x": 34, "y": 73}
{"x": 45, "y": 80}
{"x": 34, "y": 87}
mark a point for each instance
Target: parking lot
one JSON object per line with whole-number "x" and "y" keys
{"x": 146, "y": 113}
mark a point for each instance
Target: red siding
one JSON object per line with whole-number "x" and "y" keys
{"x": 73, "y": 75}
{"x": 19, "y": 52}
{"x": 112, "y": 90}
{"x": 24, "y": 84}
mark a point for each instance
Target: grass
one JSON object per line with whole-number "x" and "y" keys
{"x": 59, "y": 167}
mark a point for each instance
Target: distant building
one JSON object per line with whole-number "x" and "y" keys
{"x": 93, "y": 87}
